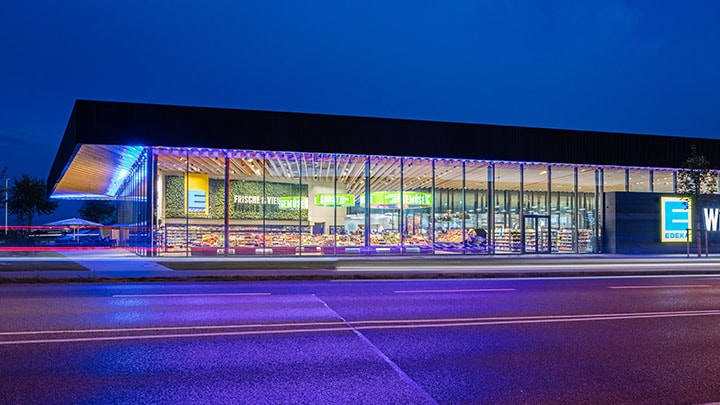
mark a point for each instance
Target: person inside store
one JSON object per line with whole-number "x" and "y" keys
{"x": 470, "y": 237}
{"x": 481, "y": 236}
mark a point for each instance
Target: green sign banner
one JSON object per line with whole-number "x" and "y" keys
{"x": 293, "y": 203}
{"x": 328, "y": 200}
{"x": 392, "y": 198}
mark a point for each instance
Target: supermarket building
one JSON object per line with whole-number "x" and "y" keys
{"x": 192, "y": 181}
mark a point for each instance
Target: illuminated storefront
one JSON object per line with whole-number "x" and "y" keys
{"x": 177, "y": 197}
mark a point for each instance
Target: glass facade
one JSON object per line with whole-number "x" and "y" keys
{"x": 195, "y": 202}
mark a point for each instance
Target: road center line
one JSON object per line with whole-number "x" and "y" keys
{"x": 454, "y": 291}
{"x": 340, "y": 326}
{"x": 187, "y": 295}
{"x": 629, "y": 287}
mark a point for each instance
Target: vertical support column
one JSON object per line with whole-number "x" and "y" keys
{"x": 150, "y": 200}
{"x": 464, "y": 210}
{"x": 187, "y": 201}
{"x": 366, "y": 233}
{"x": 596, "y": 232}
{"x": 627, "y": 180}
{"x": 651, "y": 178}
{"x": 300, "y": 224}
{"x": 432, "y": 208}
{"x": 491, "y": 207}
{"x": 521, "y": 209}
{"x": 401, "y": 223}
{"x": 335, "y": 207}
{"x": 548, "y": 205}
{"x": 576, "y": 211}
{"x": 264, "y": 202}
{"x": 227, "y": 203}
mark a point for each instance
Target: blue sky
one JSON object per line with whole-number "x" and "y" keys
{"x": 642, "y": 66}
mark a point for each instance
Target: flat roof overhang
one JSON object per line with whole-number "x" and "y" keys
{"x": 96, "y": 172}
{"x": 100, "y": 134}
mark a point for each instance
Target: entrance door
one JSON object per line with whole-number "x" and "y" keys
{"x": 537, "y": 233}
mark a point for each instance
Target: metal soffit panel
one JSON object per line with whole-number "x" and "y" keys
{"x": 92, "y": 170}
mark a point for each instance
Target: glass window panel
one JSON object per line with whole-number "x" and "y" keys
{"x": 663, "y": 181}
{"x": 562, "y": 209}
{"x": 285, "y": 204}
{"x": 204, "y": 199}
{"x": 246, "y": 231}
{"x": 507, "y": 208}
{"x": 587, "y": 210}
{"x": 535, "y": 187}
{"x": 417, "y": 205}
{"x": 614, "y": 180}
{"x": 319, "y": 175}
{"x": 639, "y": 180}
{"x": 172, "y": 167}
{"x": 385, "y": 212}
{"x": 448, "y": 206}
{"x": 351, "y": 218}
{"x": 476, "y": 195}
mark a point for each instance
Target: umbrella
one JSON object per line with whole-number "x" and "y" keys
{"x": 74, "y": 223}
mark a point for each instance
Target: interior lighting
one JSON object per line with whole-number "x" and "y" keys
{"x": 130, "y": 156}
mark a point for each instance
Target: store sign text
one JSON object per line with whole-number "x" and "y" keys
{"x": 283, "y": 203}
{"x": 712, "y": 219}
{"x": 334, "y": 200}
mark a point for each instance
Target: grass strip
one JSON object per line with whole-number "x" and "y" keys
{"x": 60, "y": 265}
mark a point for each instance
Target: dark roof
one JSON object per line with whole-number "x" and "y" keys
{"x": 116, "y": 123}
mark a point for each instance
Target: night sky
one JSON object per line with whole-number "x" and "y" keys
{"x": 641, "y": 66}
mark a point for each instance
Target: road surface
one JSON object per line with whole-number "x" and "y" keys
{"x": 568, "y": 340}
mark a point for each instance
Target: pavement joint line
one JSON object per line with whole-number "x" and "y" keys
{"x": 403, "y": 376}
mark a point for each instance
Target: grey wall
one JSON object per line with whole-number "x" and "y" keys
{"x": 632, "y": 226}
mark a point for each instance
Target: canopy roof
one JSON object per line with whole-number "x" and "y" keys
{"x": 104, "y": 139}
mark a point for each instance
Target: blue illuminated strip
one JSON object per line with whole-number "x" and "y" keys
{"x": 130, "y": 156}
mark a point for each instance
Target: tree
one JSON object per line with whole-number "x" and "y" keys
{"x": 98, "y": 211}
{"x": 695, "y": 184}
{"x": 28, "y": 197}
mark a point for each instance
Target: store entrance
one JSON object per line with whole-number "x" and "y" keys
{"x": 536, "y": 229}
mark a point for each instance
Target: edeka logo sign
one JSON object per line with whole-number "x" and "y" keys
{"x": 196, "y": 193}
{"x": 675, "y": 217}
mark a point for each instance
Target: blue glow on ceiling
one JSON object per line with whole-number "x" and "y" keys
{"x": 130, "y": 156}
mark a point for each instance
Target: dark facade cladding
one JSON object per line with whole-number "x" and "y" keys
{"x": 115, "y": 123}
{"x": 632, "y": 225}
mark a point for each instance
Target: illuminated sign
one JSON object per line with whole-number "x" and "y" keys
{"x": 391, "y": 199}
{"x": 675, "y": 214}
{"x": 196, "y": 193}
{"x": 283, "y": 203}
{"x": 712, "y": 218}
{"x": 293, "y": 203}
{"x": 328, "y": 200}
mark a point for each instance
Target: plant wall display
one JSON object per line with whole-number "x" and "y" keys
{"x": 246, "y": 200}
{"x": 174, "y": 197}
{"x": 217, "y": 198}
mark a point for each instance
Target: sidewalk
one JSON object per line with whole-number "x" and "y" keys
{"x": 120, "y": 265}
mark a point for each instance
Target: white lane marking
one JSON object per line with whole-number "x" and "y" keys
{"x": 336, "y": 326}
{"x": 186, "y": 295}
{"x": 454, "y": 291}
{"x": 628, "y": 287}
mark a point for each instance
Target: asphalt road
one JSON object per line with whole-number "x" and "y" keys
{"x": 581, "y": 340}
